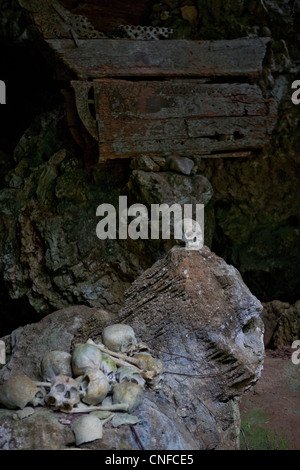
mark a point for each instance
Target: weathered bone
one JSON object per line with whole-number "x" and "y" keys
{"x": 116, "y": 407}
{"x": 123, "y": 360}
{"x": 42, "y": 384}
{"x": 64, "y": 392}
{"x": 104, "y": 421}
{"x": 121, "y": 356}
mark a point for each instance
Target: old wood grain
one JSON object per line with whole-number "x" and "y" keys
{"x": 185, "y": 117}
{"x": 98, "y": 58}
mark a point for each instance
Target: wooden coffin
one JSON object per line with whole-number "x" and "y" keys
{"x": 158, "y": 97}
{"x": 183, "y": 117}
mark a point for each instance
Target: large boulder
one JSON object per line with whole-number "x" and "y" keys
{"x": 169, "y": 187}
{"x": 197, "y": 316}
{"x": 195, "y": 311}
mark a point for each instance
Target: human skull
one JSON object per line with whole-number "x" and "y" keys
{"x": 19, "y": 391}
{"x": 129, "y": 374}
{"x": 192, "y": 234}
{"x": 85, "y": 358}
{"x": 64, "y": 393}
{"x": 87, "y": 429}
{"x": 149, "y": 363}
{"x": 94, "y": 387}
{"x": 56, "y": 363}
{"x": 119, "y": 338}
{"x": 39, "y": 398}
{"x": 129, "y": 393}
{"x": 108, "y": 366}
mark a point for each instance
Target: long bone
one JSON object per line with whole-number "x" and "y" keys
{"x": 42, "y": 384}
{"x": 123, "y": 360}
{"x": 117, "y": 407}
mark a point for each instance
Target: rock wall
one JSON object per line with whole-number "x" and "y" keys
{"x": 255, "y": 203}
{"x": 195, "y": 311}
{"x": 49, "y": 254}
{"x": 282, "y": 324}
{"x": 49, "y": 248}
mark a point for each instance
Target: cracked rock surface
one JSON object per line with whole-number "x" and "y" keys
{"x": 197, "y": 316}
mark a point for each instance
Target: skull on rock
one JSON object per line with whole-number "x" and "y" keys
{"x": 192, "y": 234}
{"x": 93, "y": 387}
{"x": 87, "y": 429}
{"x": 129, "y": 393}
{"x": 129, "y": 374}
{"x": 64, "y": 393}
{"x": 85, "y": 358}
{"x": 19, "y": 391}
{"x": 56, "y": 363}
{"x": 119, "y": 338}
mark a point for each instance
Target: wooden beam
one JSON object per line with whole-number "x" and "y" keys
{"x": 98, "y": 58}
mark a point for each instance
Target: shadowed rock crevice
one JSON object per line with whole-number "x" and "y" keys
{"x": 15, "y": 313}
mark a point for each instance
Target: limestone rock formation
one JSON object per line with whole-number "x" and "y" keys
{"x": 49, "y": 251}
{"x": 254, "y": 208}
{"x": 169, "y": 187}
{"x": 198, "y": 317}
{"x": 282, "y": 323}
{"x": 196, "y": 311}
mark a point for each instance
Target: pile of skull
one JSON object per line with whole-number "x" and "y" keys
{"x": 102, "y": 382}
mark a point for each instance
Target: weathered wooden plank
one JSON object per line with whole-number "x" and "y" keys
{"x": 176, "y": 103}
{"x": 243, "y": 154}
{"x": 96, "y": 58}
{"x": 176, "y": 99}
{"x": 148, "y": 142}
{"x": 185, "y": 117}
{"x": 235, "y": 131}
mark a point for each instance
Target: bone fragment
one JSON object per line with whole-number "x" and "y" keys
{"x": 117, "y": 407}
{"x": 123, "y": 360}
{"x": 42, "y": 384}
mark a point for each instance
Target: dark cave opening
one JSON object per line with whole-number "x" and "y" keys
{"x": 14, "y": 313}
{"x": 30, "y": 89}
